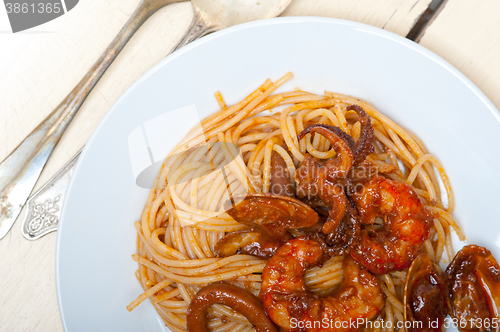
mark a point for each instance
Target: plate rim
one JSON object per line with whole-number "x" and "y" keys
{"x": 234, "y": 29}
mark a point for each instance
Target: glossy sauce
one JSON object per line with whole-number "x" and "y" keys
{"x": 474, "y": 289}
{"x": 253, "y": 242}
{"x": 425, "y": 301}
{"x": 273, "y": 213}
{"x": 280, "y": 177}
{"x": 234, "y": 297}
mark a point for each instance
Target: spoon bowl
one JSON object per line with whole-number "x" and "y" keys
{"x": 214, "y": 15}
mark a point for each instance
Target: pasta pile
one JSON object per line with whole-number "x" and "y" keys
{"x": 229, "y": 153}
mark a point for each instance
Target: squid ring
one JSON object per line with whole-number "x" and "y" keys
{"x": 237, "y": 298}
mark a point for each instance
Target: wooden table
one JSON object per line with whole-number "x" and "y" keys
{"x": 465, "y": 33}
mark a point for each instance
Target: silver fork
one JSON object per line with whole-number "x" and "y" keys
{"x": 44, "y": 206}
{"x": 21, "y": 169}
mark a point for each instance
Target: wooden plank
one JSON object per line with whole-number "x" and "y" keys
{"x": 425, "y": 20}
{"x": 466, "y": 34}
{"x": 397, "y": 16}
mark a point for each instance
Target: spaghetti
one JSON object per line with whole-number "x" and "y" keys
{"x": 229, "y": 153}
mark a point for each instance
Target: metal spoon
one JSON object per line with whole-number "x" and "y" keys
{"x": 21, "y": 169}
{"x": 44, "y": 206}
{"x": 214, "y": 15}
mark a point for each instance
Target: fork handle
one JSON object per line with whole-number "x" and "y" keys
{"x": 57, "y": 121}
{"x": 21, "y": 169}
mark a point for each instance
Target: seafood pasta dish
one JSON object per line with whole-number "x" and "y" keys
{"x": 296, "y": 211}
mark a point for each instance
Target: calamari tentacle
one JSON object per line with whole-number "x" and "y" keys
{"x": 341, "y": 142}
{"x": 363, "y": 146}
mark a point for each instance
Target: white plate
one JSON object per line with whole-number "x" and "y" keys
{"x": 416, "y": 88}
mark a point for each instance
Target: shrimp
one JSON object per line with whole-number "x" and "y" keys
{"x": 406, "y": 226}
{"x": 291, "y": 306}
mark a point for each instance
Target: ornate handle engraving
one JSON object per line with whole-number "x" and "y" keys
{"x": 44, "y": 215}
{"x": 44, "y": 207}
